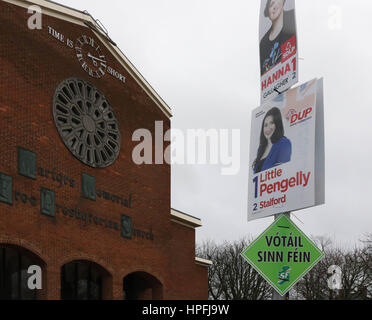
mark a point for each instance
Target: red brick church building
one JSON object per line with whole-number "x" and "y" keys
{"x": 72, "y": 201}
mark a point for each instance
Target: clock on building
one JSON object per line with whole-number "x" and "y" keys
{"x": 86, "y": 123}
{"x": 90, "y": 56}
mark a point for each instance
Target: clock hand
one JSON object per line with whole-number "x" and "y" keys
{"x": 95, "y": 58}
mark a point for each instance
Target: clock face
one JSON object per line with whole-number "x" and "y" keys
{"x": 90, "y": 56}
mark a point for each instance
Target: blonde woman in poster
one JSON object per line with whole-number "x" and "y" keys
{"x": 283, "y": 28}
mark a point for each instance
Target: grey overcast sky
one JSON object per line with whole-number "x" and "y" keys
{"x": 201, "y": 56}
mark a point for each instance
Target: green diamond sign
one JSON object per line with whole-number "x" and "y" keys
{"x": 282, "y": 254}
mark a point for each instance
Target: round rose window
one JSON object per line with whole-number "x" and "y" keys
{"x": 86, "y": 123}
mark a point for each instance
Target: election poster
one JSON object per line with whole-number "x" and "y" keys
{"x": 278, "y": 47}
{"x": 286, "y": 168}
{"x": 282, "y": 254}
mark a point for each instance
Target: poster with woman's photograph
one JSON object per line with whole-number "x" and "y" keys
{"x": 284, "y": 165}
{"x": 278, "y": 47}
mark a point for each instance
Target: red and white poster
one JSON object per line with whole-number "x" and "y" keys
{"x": 286, "y": 168}
{"x": 278, "y": 47}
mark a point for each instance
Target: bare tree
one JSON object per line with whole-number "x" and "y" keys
{"x": 355, "y": 278}
{"x": 230, "y": 276}
{"x": 366, "y": 258}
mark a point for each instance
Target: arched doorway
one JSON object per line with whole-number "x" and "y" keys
{"x": 84, "y": 280}
{"x": 142, "y": 286}
{"x": 14, "y": 277}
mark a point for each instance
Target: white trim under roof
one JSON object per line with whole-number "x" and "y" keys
{"x": 185, "y": 219}
{"x": 203, "y": 262}
{"x": 84, "y": 19}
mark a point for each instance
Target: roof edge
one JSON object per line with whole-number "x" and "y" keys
{"x": 69, "y": 14}
{"x": 203, "y": 262}
{"x": 185, "y": 219}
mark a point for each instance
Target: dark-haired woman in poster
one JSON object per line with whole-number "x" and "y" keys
{"x": 283, "y": 27}
{"x": 274, "y": 148}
